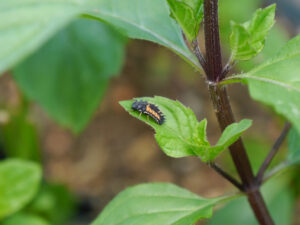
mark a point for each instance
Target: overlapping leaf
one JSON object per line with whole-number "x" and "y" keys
{"x": 26, "y": 24}
{"x": 181, "y": 134}
{"x": 159, "y": 204}
{"x": 248, "y": 39}
{"x": 147, "y": 20}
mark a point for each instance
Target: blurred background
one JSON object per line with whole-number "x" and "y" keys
{"x": 84, "y": 171}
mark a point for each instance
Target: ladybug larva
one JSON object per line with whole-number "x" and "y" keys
{"x": 149, "y": 109}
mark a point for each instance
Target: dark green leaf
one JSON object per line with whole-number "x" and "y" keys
{"x": 69, "y": 75}
{"x": 189, "y": 14}
{"x": 159, "y": 204}
{"x": 276, "y": 82}
{"x": 19, "y": 182}
{"x": 181, "y": 134}
{"x": 24, "y": 219}
{"x": 248, "y": 39}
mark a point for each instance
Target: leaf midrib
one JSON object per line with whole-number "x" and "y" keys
{"x": 208, "y": 204}
{"x": 145, "y": 196}
{"x": 264, "y": 79}
{"x": 167, "y": 211}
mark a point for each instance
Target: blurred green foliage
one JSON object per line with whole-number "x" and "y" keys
{"x": 19, "y": 182}
{"x": 54, "y": 203}
{"x": 24, "y": 219}
{"x": 50, "y": 204}
{"x": 18, "y": 137}
{"x": 69, "y": 75}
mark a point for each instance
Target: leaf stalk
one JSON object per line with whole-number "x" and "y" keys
{"x": 272, "y": 153}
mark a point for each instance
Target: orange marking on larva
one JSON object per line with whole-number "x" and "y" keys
{"x": 152, "y": 112}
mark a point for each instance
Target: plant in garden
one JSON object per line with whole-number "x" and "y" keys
{"x": 174, "y": 24}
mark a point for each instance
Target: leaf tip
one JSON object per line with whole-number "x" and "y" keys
{"x": 126, "y": 104}
{"x": 246, "y": 122}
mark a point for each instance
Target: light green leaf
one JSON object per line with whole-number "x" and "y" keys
{"x": 159, "y": 204}
{"x": 26, "y": 24}
{"x": 240, "y": 11}
{"x": 230, "y": 135}
{"x": 277, "y": 82}
{"x": 19, "y": 182}
{"x": 189, "y": 14}
{"x": 69, "y": 75}
{"x": 181, "y": 134}
{"x": 248, "y": 39}
{"x": 294, "y": 147}
{"x": 24, "y": 219}
{"x": 239, "y": 42}
{"x": 147, "y": 20}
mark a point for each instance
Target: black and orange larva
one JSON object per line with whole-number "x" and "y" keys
{"x": 149, "y": 109}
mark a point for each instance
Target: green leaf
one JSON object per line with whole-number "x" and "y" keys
{"x": 147, "y": 20}
{"x": 240, "y": 44}
{"x": 26, "y": 24}
{"x": 189, "y": 14}
{"x": 159, "y": 204}
{"x": 248, "y": 39}
{"x": 181, "y": 134}
{"x": 19, "y": 182}
{"x": 24, "y": 219}
{"x": 240, "y": 11}
{"x": 69, "y": 75}
{"x": 294, "y": 147}
{"x": 276, "y": 82}
{"x": 230, "y": 135}
{"x": 178, "y": 135}
{"x": 277, "y": 194}
{"x": 37, "y": 21}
